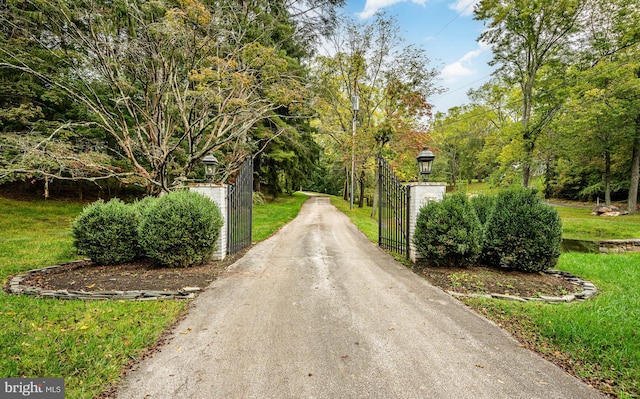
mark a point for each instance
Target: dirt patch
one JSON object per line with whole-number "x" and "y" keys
{"x": 486, "y": 280}
{"x": 139, "y": 275}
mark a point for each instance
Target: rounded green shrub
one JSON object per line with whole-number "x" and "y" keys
{"x": 180, "y": 229}
{"x": 142, "y": 205}
{"x": 523, "y": 233}
{"x": 107, "y": 232}
{"x": 448, "y": 233}
{"x": 483, "y": 205}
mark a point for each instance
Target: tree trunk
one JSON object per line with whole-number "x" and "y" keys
{"x": 527, "y": 100}
{"x": 361, "y": 199}
{"x": 607, "y": 178}
{"x": 46, "y": 188}
{"x": 374, "y": 206}
{"x": 548, "y": 177}
{"x": 635, "y": 171}
{"x": 345, "y": 196}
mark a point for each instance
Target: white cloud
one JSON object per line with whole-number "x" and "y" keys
{"x": 455, "y": 71}
{"x": 464, "y": 66}
{"x": 373, "y": 6}
{"x": 464, "y": 7}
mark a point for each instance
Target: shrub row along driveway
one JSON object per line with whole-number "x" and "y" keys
{"x": 318, "y": 311}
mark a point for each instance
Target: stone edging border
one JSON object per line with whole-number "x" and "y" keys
{"x": 16, "y": 287}
{"x": 588, "y": 291}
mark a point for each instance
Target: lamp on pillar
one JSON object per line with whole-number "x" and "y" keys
{"x": 425, "y": 162}
{"x": 210, "y": 165}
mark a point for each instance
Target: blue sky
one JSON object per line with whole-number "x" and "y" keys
{"x": 447, "y": 31}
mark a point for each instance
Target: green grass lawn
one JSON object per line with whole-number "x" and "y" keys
{"x": 580, "y": 224}
{"x": 86, "y": 343}
{"x": 600, "y": 338}
{"x": 361, "y": 217}
{"x": 272, "y": 215}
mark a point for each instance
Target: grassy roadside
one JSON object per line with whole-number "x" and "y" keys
{"x": 361, "y": 217}
{"x": 597, "y": 340}
{"x": 272, "y": 215}
{"x": 86, "y": 343}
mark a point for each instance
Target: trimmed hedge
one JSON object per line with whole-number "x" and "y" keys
{"x": 483, "y": 204}
{"x": 107, "y": 232}
{"x": 449, "y": 233}
{"x": 522, "y": 233}
{"x": 180, "y": 229}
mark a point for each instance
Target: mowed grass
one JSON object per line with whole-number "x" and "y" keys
{"x": 34, "y": 233}
{"x": 87, "y": 343}
{"x": 580, "y": 224}
{"x": 598, "y": 339}
{"x": 273, "y": 214}
{"x": 361, "y": 217}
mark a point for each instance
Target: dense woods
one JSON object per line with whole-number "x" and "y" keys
{"x": 136, "y": 93}
{"x": 563, "y": 109}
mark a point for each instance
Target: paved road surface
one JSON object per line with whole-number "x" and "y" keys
{"x": 317, "y": 311}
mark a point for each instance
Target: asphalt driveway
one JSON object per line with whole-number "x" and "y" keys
{"x": 318, "y": 311}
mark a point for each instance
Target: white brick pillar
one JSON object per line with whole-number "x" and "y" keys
{"x": 218, "y": 194}
{"x": 421, "y": 194}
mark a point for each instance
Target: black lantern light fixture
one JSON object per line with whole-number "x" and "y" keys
{"x": 210, "y": 165}
{"x": 425, "y": 162}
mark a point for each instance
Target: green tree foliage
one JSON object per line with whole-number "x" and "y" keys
{"x": 460, "y": 137}
{"x": 107, "y": 232}
{"x": 522, "y": 232}
{"x": 578, "y": 62}
{"x": 44, "y": 132}
{"x": 449, "y": 233}
{"x": 526, "y": 37}
{"x": 392, "y": 81}
{"x": 596, "y": 139}
{"x": 163, "y": 83}
{"x": 180, "y": 229}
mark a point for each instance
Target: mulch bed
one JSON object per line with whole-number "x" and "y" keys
{"x": 133, "y": 276}
{"x": 145, "y": 275}
{"x": 487, "y": 280}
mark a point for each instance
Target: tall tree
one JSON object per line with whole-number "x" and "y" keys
{"x": 392, "y": 82}
{"x": 527, "y": 36}
{"x": 167, "y": 81}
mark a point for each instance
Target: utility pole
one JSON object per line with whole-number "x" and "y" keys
{"x": 355, "y": 106}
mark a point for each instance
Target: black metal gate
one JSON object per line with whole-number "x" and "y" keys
{"x": 393, "y": 219}
{"x": 240, "y": 209}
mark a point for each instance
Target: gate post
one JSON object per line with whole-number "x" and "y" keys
{"x": 218, "y": 194}
{"x": 421, "y": 194}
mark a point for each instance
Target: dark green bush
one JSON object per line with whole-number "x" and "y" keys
{"x": 142, "y": 205}
{"x": 180, "y": 229}
{"x": 483, "y": 205}
{"x": 448, "y": 233}
{"x": 107, "y": 232}
{"x": 522, "y": 233}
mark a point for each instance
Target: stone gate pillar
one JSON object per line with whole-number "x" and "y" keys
{"x": 218, "y": 194}
{"x": 420, "y": 195}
